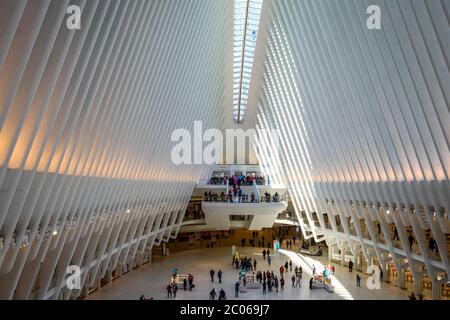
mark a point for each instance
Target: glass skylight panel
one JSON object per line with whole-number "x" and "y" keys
{"x": 247, "y": 14}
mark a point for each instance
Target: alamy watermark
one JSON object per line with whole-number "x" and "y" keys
{"x": 73, "y": 22}
{"x": 207, "y": 147}
{"x": 73, "y": 282}
{"x": 374, "y": 20}
{"x": 374, "y": 280}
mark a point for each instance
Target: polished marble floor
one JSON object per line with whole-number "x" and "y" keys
{"x": 152, "y": 278}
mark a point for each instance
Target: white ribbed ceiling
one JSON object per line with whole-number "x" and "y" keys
{"x": 86, "y": 119}
{"x": 364, "y": 121}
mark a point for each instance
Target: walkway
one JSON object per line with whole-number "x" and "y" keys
{"x": 152, "y": 279}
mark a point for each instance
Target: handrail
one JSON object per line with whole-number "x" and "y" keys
{"x": 236, "y": 200}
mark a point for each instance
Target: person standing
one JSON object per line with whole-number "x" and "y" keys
{"x": 293, "y": 281}
{"x": 212, "y": 294}
{"x": 269, "y": 260}
{"x": 236, "y": 289}
{"x": 219, "y": 275}
{"x": 254, "y": 264}
{"x": 281, "y": 271}
{"x": 276, "y": 283}
{"x": 169, "y": 290}
{"x": 350, "y": 266}
{"x": 358, "y": 280}
{"x": 175, "y": 289}
{"x": 191, "y": 282}
{"x": 286, "y": 265}
{"x": 222, "y": 295}
{"x": 211, "y": 273}
{"x": 290, "y": 264}
{"x": 282, "y": 283}
{"x": 184, "y": 284}
{"x": 297, "y": 281}
{"x": 264, "y": 254}
{"x": 264, "y": 287}
{"x": 293, "y": 238}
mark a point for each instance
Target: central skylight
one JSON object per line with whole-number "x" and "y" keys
{"x": 247, "y": 14}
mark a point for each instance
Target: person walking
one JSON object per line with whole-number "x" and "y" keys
{"x": 293, "y": 281}
{"x": 350, "y": 266}
{"x": 212, "y": 294}
{"x": 282, "y": 283}
{"x": 269, "y": 260}
{"x": 254, "y": 264}
{"x": 411, "y": 241}
{"x": 358, "y": 280}
{"x": 211, "y": 273}
{"x": 236, "y": 289}
{"x": 264, "y": 254}
{"x": 169, "y": 290}
{"x": 286, "y": 265}
{"x": 395, "y": 234}
{"x": 184, "y": 284}
{"x": 264, "y": 287}
{"x": 293, "y": 238}
{"x": 290, "y": 264}
{"x": 219, "y": 275}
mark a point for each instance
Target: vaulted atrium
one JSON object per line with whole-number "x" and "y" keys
{"x": 147, "y": 142}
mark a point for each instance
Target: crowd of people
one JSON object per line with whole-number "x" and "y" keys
{"x": 271, "y": 282}
{"x": 194, "y": 212}
{"x": 237, "y": 195}
{"x": 172, "y": 287}
{"x": 238, "y": 180}
{"x": 268, "y": 197}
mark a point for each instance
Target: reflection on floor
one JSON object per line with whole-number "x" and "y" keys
{"x": 152, "y": 279}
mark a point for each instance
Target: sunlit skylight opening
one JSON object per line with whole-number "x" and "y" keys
{"x": 247, "y": 14}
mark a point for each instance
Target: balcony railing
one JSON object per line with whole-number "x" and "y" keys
{"x": 237, "y": 199}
